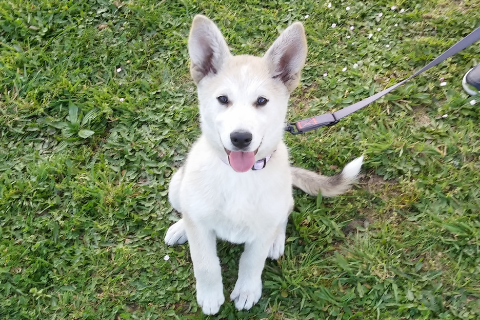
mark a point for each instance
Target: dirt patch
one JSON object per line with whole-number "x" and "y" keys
{"x": 421, "y": 117}
{"x": 359, "y": 224}
{"x": 395, "y": 197}
{"x": 374, "y": 183}
{"x": 445, "y": 7}
{"x": 132, "y": 307}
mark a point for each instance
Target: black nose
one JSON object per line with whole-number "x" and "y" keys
{"x": 241, "y": 139}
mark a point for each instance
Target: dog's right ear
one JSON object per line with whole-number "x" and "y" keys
{"x": 207, "y": 48}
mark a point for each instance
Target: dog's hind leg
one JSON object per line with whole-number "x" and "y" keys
{"x": 174, "y": 189}
{"x": 176, "y": 234}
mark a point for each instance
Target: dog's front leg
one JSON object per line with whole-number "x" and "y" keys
{"x": 206, "y": 266}
{"x": 248, "y": 288}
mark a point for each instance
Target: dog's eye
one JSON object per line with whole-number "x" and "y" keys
{"x": 223, "y": 99}
{"x": 261, "y": 101}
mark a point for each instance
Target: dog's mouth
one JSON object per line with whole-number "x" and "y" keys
{"x": 241, "y": 161}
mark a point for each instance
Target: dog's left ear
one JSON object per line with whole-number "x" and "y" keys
{"x": 287, "y": 55}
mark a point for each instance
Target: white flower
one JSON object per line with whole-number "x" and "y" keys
{"x": 325, "y": 74}
{"x": 355, "y": 66}
{"x": 378, "y": 29}
{"x": 402, "y": 10}
{"x": 472, "y": 102}
{"x": 388, "y": 46}
{"x": 119, "y": 70}
{"x": 370, "y": 35}
{"x": 443, "y": 84}
{"x": 348, "y": 37}
{"x": 329, "y": 5}
{"x": 121, "y": 99}
{"x": 393, "y": 8}
{"x": 166, "y": 258}
{"x": 396, "y": 24}
{"x": 380, "y": 15}
{"x": 344, "y": 69}
{"x": 306, "y": 16}
{"x": 445, "y": 115}
{"x": 334, "y": 25}
{"x": 352, "y": 27}
{"x": 347, "y": 8}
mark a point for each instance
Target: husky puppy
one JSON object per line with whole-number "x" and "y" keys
{"x": 236, "y": 184}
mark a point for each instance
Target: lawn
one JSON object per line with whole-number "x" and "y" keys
{"x": 97, "y": 110}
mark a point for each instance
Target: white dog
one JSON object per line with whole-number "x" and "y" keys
{"x": 236, "y": 184}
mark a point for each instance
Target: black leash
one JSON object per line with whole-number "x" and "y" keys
{"x": 329, "y": 119}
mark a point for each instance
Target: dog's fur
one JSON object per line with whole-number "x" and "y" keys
{"x": 250, "y": 207}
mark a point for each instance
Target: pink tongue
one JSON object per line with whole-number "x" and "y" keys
{"x": 241, "y": 161}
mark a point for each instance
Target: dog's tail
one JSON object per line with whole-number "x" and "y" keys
{"x": 312, "y": 183}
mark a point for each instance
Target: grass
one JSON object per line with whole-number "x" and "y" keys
{"x": 97, "y": 110}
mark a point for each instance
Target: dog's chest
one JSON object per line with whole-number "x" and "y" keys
{"x": 239, "y": 209}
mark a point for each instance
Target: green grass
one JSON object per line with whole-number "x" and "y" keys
{"x": 97, "y": 110}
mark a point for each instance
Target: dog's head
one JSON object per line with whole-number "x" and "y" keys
{"x": 243, "y": 99}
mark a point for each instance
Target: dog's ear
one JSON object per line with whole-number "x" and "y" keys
{"x": 207, "y": 48}
{"x": 286, "y": 57}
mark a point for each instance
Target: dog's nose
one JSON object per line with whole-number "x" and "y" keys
{"x": 241, "y": 139}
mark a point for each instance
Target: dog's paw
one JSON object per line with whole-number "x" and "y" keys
{"x": 176, "y": 234}
{"x": 278, "y": 247}
{"x": 246, "y": 293}
{"x": 210, "y": 299}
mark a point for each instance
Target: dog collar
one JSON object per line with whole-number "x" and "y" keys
{"x": 258, "y": 165}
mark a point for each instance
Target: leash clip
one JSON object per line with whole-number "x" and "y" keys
{"x": 291, "y": 128}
